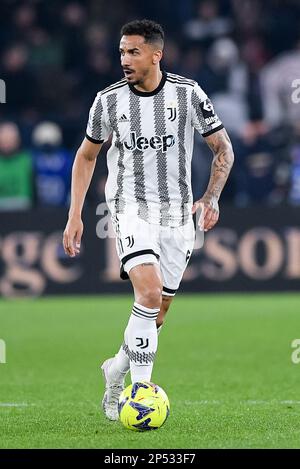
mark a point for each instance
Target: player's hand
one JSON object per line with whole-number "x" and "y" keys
{"x": 209, "y": 212}
{"x": 72, "y": 236}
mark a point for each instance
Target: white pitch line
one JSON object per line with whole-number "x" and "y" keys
{"x": 247, "y": 402}
{"x": 186, "y": 402}
{"x": 289, "y": 402}
{"x": 15, "y": 404}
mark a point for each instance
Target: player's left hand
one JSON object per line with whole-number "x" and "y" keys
{"x": 209, "y": 212}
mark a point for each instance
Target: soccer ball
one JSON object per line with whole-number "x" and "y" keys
{"x": 143, "y": 406}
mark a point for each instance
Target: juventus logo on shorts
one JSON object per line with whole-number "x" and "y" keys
{"x": 173, "y": 113}
{"x": 130, "y": 241}
{"x": 141, "y": 344}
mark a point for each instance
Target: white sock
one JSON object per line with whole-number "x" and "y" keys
{"x": 121, "y": 364}
{"x": 140, "y": 342}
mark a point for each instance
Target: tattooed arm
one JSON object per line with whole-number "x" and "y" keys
{"x": 221, "y": 147}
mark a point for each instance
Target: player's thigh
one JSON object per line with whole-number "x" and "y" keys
{"x": 176, "y": 249}
{"x": 137, "y": 243}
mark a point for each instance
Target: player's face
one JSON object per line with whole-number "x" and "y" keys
{"x": 137, "y": 58}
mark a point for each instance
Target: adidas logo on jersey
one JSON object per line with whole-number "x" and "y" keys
{"x": 123, "y": 118}
{"x": 157, "y": 142}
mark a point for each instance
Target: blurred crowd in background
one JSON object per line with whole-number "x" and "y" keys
{"x": 55, "y": 56}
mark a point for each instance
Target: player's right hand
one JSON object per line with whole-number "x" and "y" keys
{"x": 72, "y": 236}
{"x": 209, "y": 212}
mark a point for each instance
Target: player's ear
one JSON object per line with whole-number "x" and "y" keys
{"x": 157, "y": 55}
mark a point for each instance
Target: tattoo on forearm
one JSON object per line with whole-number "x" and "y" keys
{"x": 220, "y": 145}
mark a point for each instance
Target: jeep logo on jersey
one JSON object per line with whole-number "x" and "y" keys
{"x": 157, "y": 142}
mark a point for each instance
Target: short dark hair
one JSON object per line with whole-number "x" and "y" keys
{"x": 152, "y": 32}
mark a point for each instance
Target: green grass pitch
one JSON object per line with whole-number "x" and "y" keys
{"x": 224, "y": 361}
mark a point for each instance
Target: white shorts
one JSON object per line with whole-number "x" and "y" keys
{"x": 138, "y": 242}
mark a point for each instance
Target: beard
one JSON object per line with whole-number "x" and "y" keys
{"x": 135, "y": 82}
{"x": 136, "y": 78}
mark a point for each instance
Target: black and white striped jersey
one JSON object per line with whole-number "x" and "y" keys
{"x": 149, "y": 161}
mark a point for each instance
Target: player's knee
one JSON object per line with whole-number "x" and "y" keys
{"x": 151, "y": 297}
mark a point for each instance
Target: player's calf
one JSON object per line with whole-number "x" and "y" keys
{"x": 140, "y": 341}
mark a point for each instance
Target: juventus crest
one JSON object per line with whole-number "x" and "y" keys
{"x": 172, "y": 111}
{"x": 142, "y": 343}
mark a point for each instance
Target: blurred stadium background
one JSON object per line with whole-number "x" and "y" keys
{"x": 54, "y": 57}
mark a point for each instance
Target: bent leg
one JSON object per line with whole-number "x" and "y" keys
{"x": 165, "y": 305}
{"x": 146, "y": 280}
{"x": 140, "y": 338}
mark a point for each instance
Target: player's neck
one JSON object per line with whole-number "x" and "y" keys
{"x": 151, "y": 82}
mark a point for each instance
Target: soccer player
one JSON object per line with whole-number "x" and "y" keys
{"x": 151, "y": 115}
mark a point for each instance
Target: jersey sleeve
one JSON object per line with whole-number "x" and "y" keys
{"x": 98, "y": 128}
{"x": 204, "y": 117}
